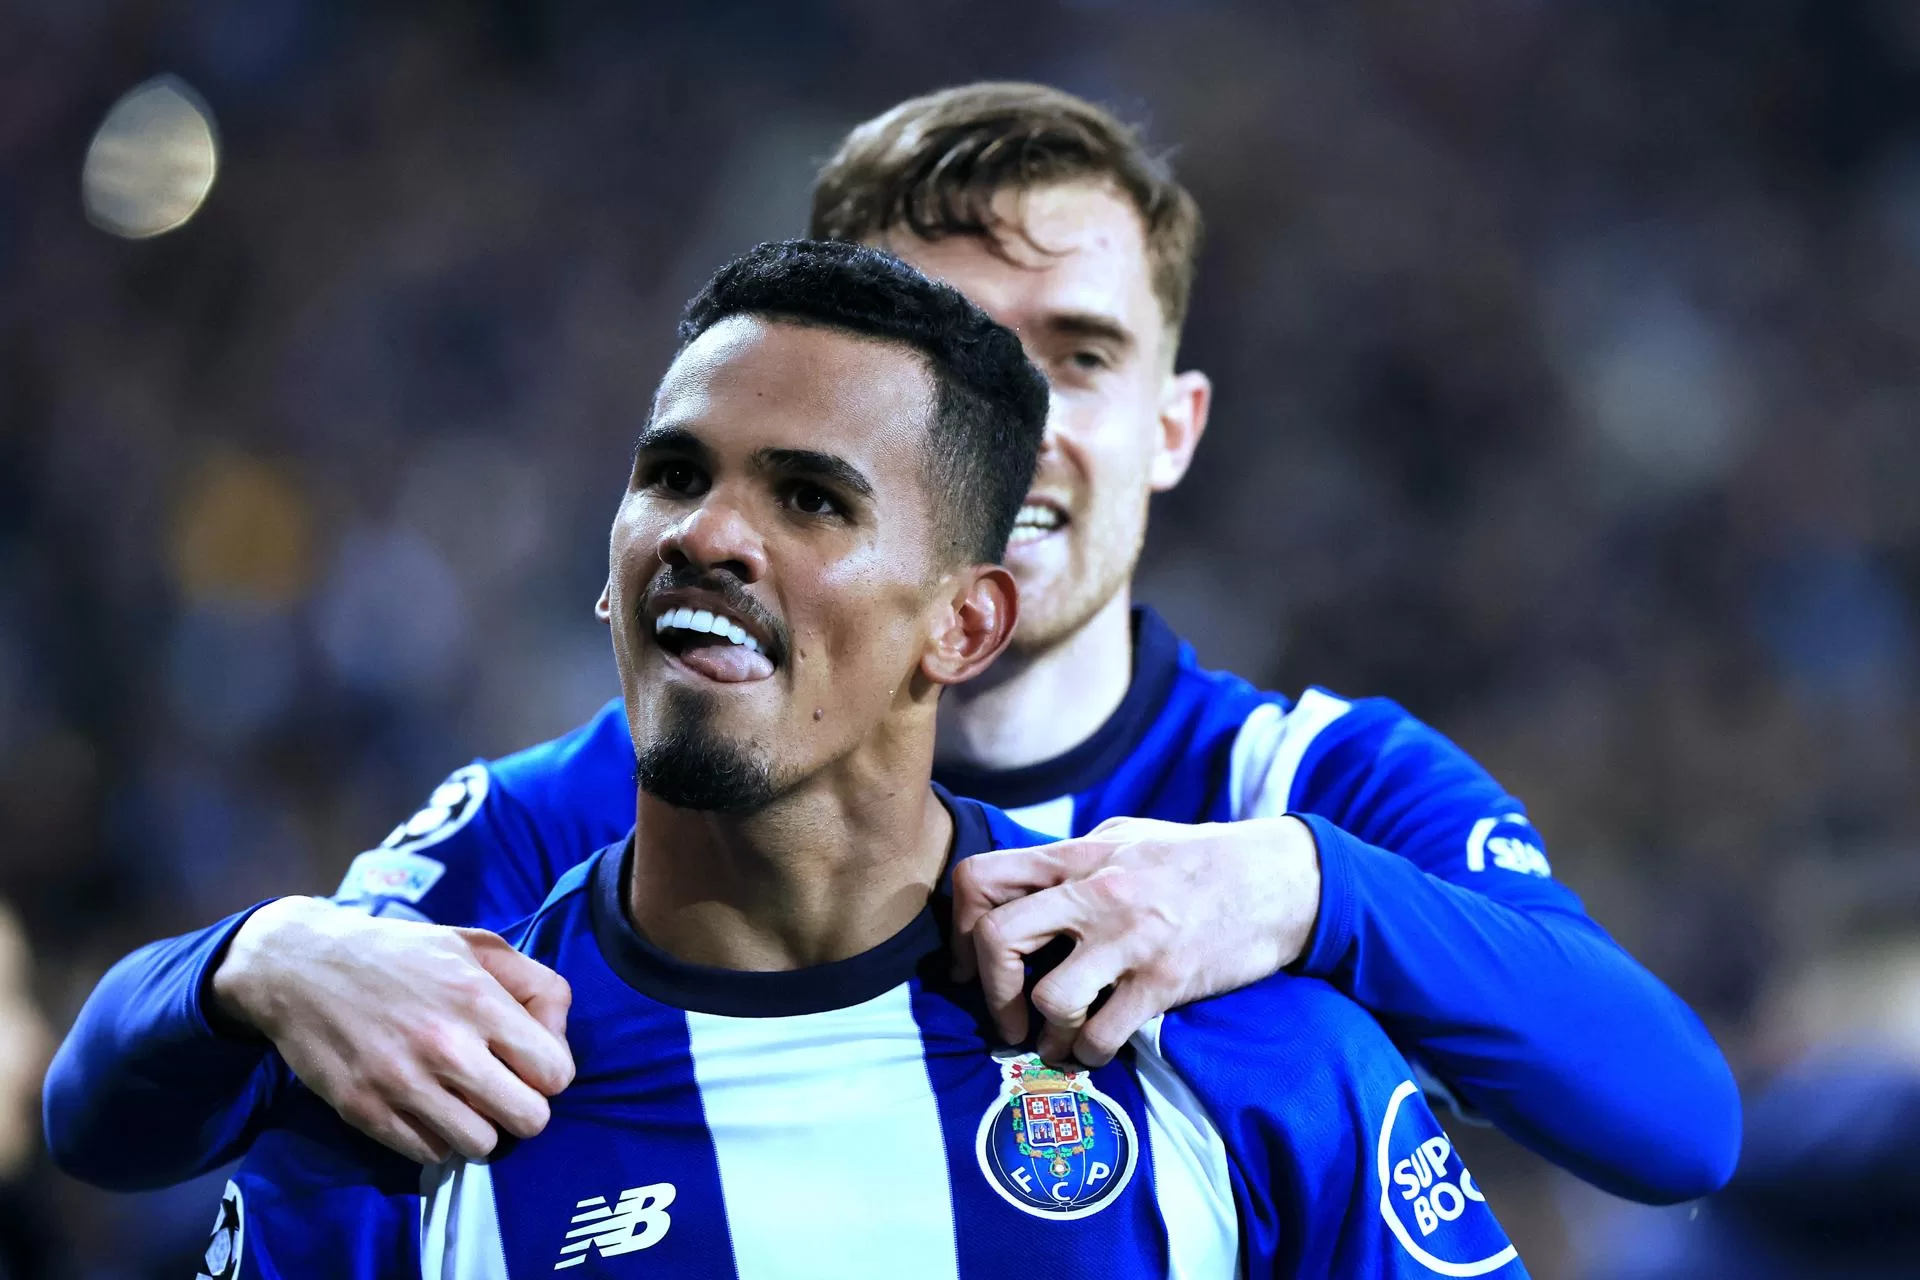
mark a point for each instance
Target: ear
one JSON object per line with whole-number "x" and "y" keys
{"x": 603, "y": 607}
{"x": 975, "y": 623}
{"x": 1184, "y": 403}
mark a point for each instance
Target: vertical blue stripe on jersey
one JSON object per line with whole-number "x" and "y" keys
{"x": 994, "y": 1238}
{"x": 631, "y": 1120}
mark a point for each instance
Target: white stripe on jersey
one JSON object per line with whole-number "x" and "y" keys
{"x": 1050, "y": 817}
{"x": 1190, "y": 1179}
{"x": 459, "y": 1224}
{"x": 795, "y": 1126}
{"x": 1268, "y": 751}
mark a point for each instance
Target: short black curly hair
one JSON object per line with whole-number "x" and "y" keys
{"x": 990, "y": 403}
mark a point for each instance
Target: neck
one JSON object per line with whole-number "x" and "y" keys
{"x": 1033, "y": 705}
{"x": 816, "y": 877}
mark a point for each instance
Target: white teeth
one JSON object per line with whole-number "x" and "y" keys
{"x": 1037, "y": 516}
{"x": 708, "y": 622}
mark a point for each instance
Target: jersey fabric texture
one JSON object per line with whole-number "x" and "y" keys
{"x": 1438, "y": 914}
{"x": 851, "y": 1120}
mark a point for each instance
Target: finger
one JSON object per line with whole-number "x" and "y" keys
{"x": 542, "y": 998}
{"x": 399, "y": 1132}
{"x": 1127, "y": 1009}
{"x": 1006, "y": 936}
{"x": 488, "y": 1086}
{"x": 1065, "y": 997}
{"x": 987, "y": 880}
{"x": 455, "y": 1124}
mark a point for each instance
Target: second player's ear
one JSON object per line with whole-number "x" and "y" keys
{"x": 975, "y": 623}
{"x": 1184, "y": 403}
{"x": 603, "y": 607}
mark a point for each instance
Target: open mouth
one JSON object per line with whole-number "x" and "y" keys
{"x": 1038, "y": 518}
{"x": 714, "y": 643}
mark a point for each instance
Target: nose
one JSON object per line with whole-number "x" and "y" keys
{"x": 715, "y": 535}
{"x": 1056, "y": 418}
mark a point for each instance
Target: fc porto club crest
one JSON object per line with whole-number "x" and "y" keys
{"x": 1054, "y": 1145}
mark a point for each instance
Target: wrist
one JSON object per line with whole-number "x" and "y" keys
{"x": 237, "y": 997}
{"x": 1300, "y": 872}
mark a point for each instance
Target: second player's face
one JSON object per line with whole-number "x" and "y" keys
{"x": 1081, "y": 299}
{"x": 771, "y": 563}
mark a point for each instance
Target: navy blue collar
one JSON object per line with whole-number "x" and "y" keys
{"x": 1156, "y": 663}
{"x": 736, "y": 993}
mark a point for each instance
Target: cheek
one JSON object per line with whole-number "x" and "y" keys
{"x": 855, "y": 633}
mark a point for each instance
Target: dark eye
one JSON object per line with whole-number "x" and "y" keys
{"x": 1088, "y": 361}
{"x": 677, "y": 477}
{"x": 812, "y": 500}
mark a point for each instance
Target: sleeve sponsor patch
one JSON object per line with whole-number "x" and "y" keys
{"x": 1429, "y": 1199}
{"x": 1509, "y": 843}
{"x": 381, "y": 875}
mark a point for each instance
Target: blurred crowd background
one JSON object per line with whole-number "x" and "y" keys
{"x": 1567, "y": 355}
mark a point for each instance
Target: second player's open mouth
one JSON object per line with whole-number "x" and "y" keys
{"x": 1038, "y": 519}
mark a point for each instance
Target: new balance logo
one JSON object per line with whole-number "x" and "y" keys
{"x": 637, "y": 1221}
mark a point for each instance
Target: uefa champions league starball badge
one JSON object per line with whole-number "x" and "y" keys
{"x": 1052, "y": 1144}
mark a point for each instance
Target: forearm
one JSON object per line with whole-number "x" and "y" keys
{"x": 143, "y": 1093}
{"x": 1536, "y": 1017}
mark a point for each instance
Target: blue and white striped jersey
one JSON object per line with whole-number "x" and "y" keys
{"x": 1438, "y": 914}
{"x": 853, "y": 1120}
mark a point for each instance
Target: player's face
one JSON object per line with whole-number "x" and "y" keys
{"x": 1121, "y": 425}
{"x": 772, "y": 561}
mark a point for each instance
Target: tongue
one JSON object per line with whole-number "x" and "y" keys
{"x": 730, "y": 663}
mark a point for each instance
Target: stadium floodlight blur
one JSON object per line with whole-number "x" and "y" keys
{"x": 152, "y": 161}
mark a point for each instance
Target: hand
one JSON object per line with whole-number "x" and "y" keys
{"x": 1161, "y": 914}
{"x": 428, "y": 1039}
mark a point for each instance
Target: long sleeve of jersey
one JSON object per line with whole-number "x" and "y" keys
{"x": 144, "y": 1093}
{"x": 1440, "y": 916}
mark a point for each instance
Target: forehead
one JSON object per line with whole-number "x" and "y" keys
{"x": 750, "y": 383}
{"x": 1088, "y": 256}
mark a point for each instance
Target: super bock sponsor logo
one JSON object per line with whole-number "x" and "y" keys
{"x": 1052, "y": 1144}
{"x": 1429, "y": 1199}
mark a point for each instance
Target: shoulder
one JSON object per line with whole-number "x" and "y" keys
{"x": 1314, "y": 1100}
{"x": 1324, "y": 750}
{"x": 580, "y": 763}
{"x": 566, "y": 917}
{"x": 1256, "y": 1036}
{"x": 494, "y": 837}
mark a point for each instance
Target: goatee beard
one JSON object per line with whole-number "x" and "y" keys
{"x": 691, "y": 767}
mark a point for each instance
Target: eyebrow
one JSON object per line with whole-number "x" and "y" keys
{"x": 1089, "y": 324}
{"x": 672, "y": 440}
{"x": 789, "y": 462}
{"x": 811, "y": 462}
